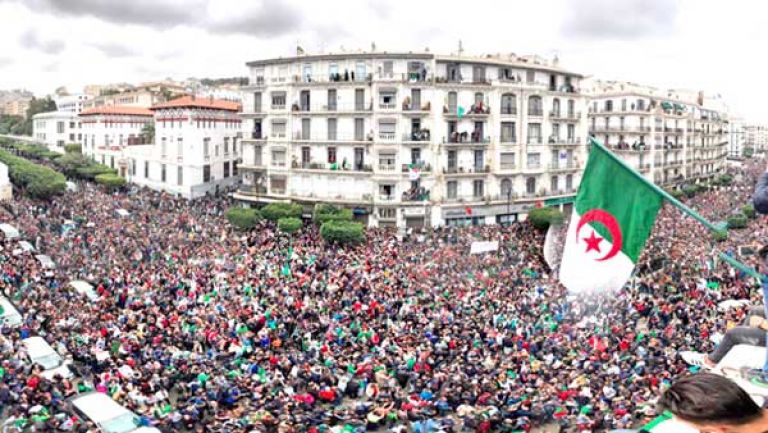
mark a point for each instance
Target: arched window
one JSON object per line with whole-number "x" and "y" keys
{"x": 452, "y": 102}
{"x": 506, "y": 187}
{"x": 534, "y": 106}
{"x": 530, "y": 185}
{"x": 556, "y": 107}
{"x": 508, "y": 104}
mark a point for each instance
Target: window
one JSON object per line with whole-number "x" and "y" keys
{"x": 479, "y": 98}
{"x": 555, "y": 132}
{"x": 226, "y": 169}
{"x": 387, "y": 161}
{"x": 146, "y": 169}
{"x": 111, "y": 162}
{"x": 133, "y": 167}
{"x": 278, "y": 128}
{"x": 534, "y": 133}
{"x": 623, "y": 105}
{"x": 571, "y": 105}
{"x": 60, "y": 127}
{"x": 530, "y": 76}
{"x": 163, "y": 148}
{"x": 553, "y": 184}
{"x": 216, "y": 150}
{"x": 179, "y": 175}
{"x": 226, "y": 146}
{"x": 360, "y": 74}
{"x": 331, "y": 155}
{"x": 479, "y": 158}
{"x": 556, "y": 107}
{"x": 478, "y": 188}
{"x": 641, "y": 104}
{"x": 359, "y": 129}
{"x": 478, "y": 74}
{"x": 530, "y": 185}
{"x": 506, "y": 187}
{"x": 452, "y": 189}
{"x": 306, "y": 156}
{"x": 206, "y": 148}
{"x": 571, "y": 133}
{"x": 508, "y": 132}
{"x": 534, "y": 160}
{"x": 256, "y": 102}
{"x": 387, "y": 213}
{"x": 278, "y": 100}
{"x": 387, "y": 128}
{"x": 180, "y": 147}
{"x": 387, "y": 69}
{"x": 333, "y": 71}
{"x": 452, "y": 103}
{"x": 277, "y": 185}
{"x": 359, "y": 99}
{"x": 162, "y": 173}
{"x": 278, "y": 158}
{"x": 534, "y": 106}
{"x": 452, "y": 160}
{"x": 387, "y": 99}
{"x": 507, "y": 160}
{"x": 206, "y": 173}
{"x": 234, "y": 168}
{"x": 621, "y": 123}
{"x": 306, "y": 129}
{"x": 332, "y": 127}
{"x": 453, "y": 72}
{"x": 569, "y": 182}
{"x": 415, "y": 155}
{"x": 508, "y": 104}
{"x": 307, "y": 73}
{"x": 387, "y": 191}
{"x": 608, "y": 105}
{"x": 332, "y": 99}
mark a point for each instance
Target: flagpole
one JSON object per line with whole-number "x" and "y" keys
{"x": 667, "y": 196}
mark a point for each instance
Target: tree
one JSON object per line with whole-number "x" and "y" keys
{"x": 342, "y": 232}
{"x": 749, "y": 211}
{"x": 289, "y": 225}
{"x": 148, "y": 132}
{"x": 73, "y": 148}
{"x": 243, "y": 218}
{"x": 37, "y": 180}
{"x": 720, "y": 236}
{"x": 275, "y": 211}
{"x": 326, "y": 212}
{"x": 737, "y": 221}
{"x": 541, "y": 218}
{"x": 110, "y": 180}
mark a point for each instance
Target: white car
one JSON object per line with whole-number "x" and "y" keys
{"x": 9, "y": 315}
{"x": 107, "y": 414}
{"x": 84, "y": 288}
{"x": 41, "y": 353}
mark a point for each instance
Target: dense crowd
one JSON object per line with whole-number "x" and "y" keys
{"x": 199, "y": 327}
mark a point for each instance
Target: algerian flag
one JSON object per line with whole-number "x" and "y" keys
{"x": 612, "y": 218}
{"x": 666, "y": 423}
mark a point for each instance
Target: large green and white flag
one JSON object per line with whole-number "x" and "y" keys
{"x": 612, "y": 218}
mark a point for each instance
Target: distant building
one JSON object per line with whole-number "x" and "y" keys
{"x": 17, "y": 107}
{"x": 108, "y": 131}
{"x": 756, "y": 138}
{"x": 6, "y": 190}
{"x": 737, "y": 137}
{"x": 133, "y": 98}
{"x": 71, "y": 103}
{"x": 56, "y": 129}
{"x": 195, "y": 150}
{"x": 671, "y": 136}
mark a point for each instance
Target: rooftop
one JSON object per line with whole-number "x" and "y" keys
{"x": 194, "y": 102}
{"x": 511, "y": 60}
{"x": 117, "y": 110}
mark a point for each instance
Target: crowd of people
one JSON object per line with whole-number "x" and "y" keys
{"x": 199, "y": 327}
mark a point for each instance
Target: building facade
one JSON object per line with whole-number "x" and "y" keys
{"x": 17, "y": 107}
{"x": 737, "y": 137}
{"x": 670, "y": 136}
{"x": 56, "y": 129}
{"x": 196, "y": 148}
{"x": 71, "y": 103}
{"x": 131, "y": 98}
{"x": 108, "y": 131}
{"x": 755, "y": 138}
{"x": 413, "y": 140}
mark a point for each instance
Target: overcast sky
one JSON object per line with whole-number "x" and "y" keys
{"x": 713, "y": 45}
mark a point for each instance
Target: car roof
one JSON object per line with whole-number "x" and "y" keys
{"x": 37, "y": 344}
{"x": 98, "y": 407}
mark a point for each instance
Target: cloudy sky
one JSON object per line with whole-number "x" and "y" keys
{"x": 699, "y": 44}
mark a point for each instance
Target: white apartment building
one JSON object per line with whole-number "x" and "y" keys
{"x": 737, "y": 137}
{"x": 756, "y": 138}
{"x": 56, "y": 128}
{"x": 670, "y": 136}
{"x": 108, "y": 131}
{"x": 195, "y": 150}
{"x": 71, "y": 103}
{"x": 413, "y": 140}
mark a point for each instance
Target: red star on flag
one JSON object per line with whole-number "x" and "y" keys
{"x": 593, "y": 242}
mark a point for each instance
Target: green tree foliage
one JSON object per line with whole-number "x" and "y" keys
{"x": 541, "y": 218}
{"x": 148, "y": 132}
{"x": 37, "y": 180}
{"x": 326, "y": 212}
{"x": 749, "y": 211}
{"x": 720, "y": 236}
{"x": 275, "y": 211}
{"x": 243, "y": 218}
{"x": 342, "y": 232}
{"x": 110, "y": 180}
{"x": 738, "y": 221}
{"x": 289, "y": 225}
{"x": 73, "y": 148}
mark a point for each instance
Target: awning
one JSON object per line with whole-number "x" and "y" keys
{"x": 679, "y": 107}
{"x": 667, "y": 105}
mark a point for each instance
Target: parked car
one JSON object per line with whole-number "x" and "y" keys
{"x": 106, "y": 414}
{"x": 41, "y": 353}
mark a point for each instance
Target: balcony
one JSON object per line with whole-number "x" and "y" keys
{"x": 387, "y": 105}
{"x": 535, "y": 112}
{"x": 475, "y": 111}
{"x": 421, "y": 136}
{"x": 455, "y": 170}
{"x": 332, "y": 167}
{"x": 419, "y": 194}
{"x": 387, "y": 136}
{"x": 568, "y": 116}
{"x": 534, "y": 194}
{"x": 461, "y": 81}
{"x": 418, "y": 166}
{"x": 409, "y": 107}
{"x": 626, "y": 148}
{"x": 338, "y": 138}
{"x": 257, "y": 135}
{"x": 571, "y": 141}
{"x": 348, "y": 77}
{"x": 476, "y": 138}
{"x": 507, "y": 167}
{"x": 534, "y": 140}
{"x": 508, "y": 110}
{"x": 568, "y": 166}
{"x": 386, "y": 197}
{"x": 320, "y": 109}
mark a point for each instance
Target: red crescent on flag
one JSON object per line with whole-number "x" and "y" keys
{"x": 609, "y": 221}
